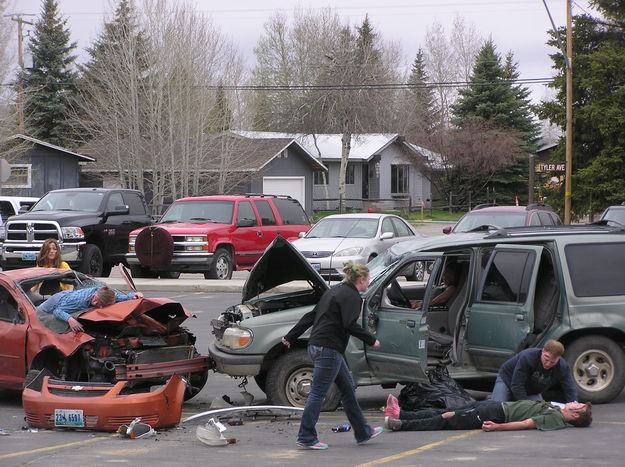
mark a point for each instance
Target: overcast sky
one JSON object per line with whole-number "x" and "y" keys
{"x": 519, "y": 26}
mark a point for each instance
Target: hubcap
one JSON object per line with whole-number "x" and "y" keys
{"x": 593, "y": 370}
{"x": 221, "y": 268}
{"x": 298, "y": 386}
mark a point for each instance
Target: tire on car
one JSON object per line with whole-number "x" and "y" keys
{"x": 221, "y": 267}
{"x": 598, "y": 367}
{"x": 154, "y": 247}
{"x": 289, "y": 382}
{"x": 92, "y": 261}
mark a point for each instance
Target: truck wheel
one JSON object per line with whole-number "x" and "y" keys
{"x": 92, "y": 262}
{"x": 106, "y": 269}
{"x": 221, "y": 268}
{"x": 598, "y": 366}
{"x": 139, "y": 272}
{"x": 289, "y": 382}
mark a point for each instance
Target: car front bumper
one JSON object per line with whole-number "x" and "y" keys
{"x": 235, "y": 364}
{"x": 190, "y": 262}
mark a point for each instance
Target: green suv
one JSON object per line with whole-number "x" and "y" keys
{"x": 518, "y": 287}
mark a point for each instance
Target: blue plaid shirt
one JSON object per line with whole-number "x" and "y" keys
{"x": 63, "y": 303}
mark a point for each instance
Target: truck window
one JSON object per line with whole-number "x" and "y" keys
{"x": 135, "y": 203}
{"x": 504, "y": 277}
{"x": 246, "y": 212}
{"x": 266, "y": 214}
{"x": 290, "y": 211}
{"x": 596, "y": 269}
{"x": 115, "y": 199}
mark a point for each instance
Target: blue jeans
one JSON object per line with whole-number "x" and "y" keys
{"x": 330, "y": 367}
{"x": 502, "y": 393}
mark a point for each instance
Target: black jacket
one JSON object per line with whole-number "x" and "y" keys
{"x": 334, "y": 319}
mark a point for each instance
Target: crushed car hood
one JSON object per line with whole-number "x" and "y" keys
{"x": 281, "y": 263}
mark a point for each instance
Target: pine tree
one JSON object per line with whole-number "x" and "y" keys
{"x": 50, "y": 83}
{"x": 221, "y": 117}
{"x": 420, "y": 102}
{"x": 494, "y": 99}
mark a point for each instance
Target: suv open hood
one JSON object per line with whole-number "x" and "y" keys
{"x": 281, "y": 263}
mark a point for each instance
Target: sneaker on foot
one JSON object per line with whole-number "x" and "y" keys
{"x": 318, "y": 446}
{"x": 392, "y": 407}
{"x": 392, "y": 424}
{"x": 376, "y": 432}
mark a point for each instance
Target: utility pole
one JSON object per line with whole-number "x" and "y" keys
{"x": 569, "y": 114}
{"x": 18, "y": 18}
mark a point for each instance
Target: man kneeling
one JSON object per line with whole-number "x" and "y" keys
{"x": 490, "y": 416}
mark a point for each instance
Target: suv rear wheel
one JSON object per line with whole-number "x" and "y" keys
{"x": 221, "y": 268}
{"x": 598, "y": 366}
{"x": 289, "y": 382}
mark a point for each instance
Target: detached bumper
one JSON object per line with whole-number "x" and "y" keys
{"x": 235, "y": 364}
{"x": 103, "y": 406}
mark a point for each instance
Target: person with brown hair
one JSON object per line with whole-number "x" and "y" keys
{"x": 532, "y": 371}
{"x": 49, "y": 256}
{"x": 333, "y": 321}
{"x": 69, "y": 301}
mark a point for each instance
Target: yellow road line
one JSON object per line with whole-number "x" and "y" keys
{"x": 53, "y": 448}
{"x": 427, "y": 447}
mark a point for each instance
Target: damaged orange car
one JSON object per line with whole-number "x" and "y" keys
{"x": 139, "y": 342}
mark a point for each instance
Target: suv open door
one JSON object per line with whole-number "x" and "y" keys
{"x": 501, "y": 315}
{"x": 401, "y": 330}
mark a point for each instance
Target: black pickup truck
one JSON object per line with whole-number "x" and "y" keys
{"x": 91, "y": 225}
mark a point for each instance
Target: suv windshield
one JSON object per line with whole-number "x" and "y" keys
{"x": 339, "y": 228}
{"x": 500, "y": 219}
{"x": 219, "y": 212}
{"x": 70, "y": 201}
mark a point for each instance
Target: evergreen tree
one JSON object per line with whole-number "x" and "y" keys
{"x": 494, "y": 99}
{"x": 598, "y": 109}
{"x": 420, "y": 101}
{"x": 221, "y": 117}
{"x": 50, "y": 83}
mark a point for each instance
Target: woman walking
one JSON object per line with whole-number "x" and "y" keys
{"x": 333, "y": 321}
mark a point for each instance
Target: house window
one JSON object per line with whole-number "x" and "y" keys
{"x": 20, "y": 176}
{"x": 320, "y": 177}
{"x": 350, "y": 175}
{"x": 399, "y": 178}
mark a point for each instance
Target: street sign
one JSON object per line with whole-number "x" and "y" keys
{"x": 561, "y": 167}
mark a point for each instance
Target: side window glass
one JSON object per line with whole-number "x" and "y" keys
{"x": 115, "y": 199}
{"x": 8, "y": 307}
{"x": 545, "y": 218}
{"x": 135, "y": 203}
{"x": 504, "y": 277}
{"x": 291, "y": 212}
{"x": 401, "y": 228}
{"x": 246, "y": 212}
{"x": 266, "y": 214}
{"x": 535, "y": 220}
{"x": 387, "y": 226}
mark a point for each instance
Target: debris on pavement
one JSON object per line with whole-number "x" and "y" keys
{"x": 136, "y": 430}
{"x": 211, "y": 434}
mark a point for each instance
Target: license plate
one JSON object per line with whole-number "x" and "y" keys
{"x": 66, "y": 417}
{"x": 316, "y": 266}
{"x": 29, "y": 256}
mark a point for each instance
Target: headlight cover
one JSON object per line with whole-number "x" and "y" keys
{"x": 237, "y": 338}
{"x": 72, "y": 233}
{"x": 353, "y": 251}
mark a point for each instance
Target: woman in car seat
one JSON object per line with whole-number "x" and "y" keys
{"x": 50, "y": 257}
{"x": 448, "y": 287}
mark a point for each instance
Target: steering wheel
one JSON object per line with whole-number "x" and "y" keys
{"x": 396, "y": 295}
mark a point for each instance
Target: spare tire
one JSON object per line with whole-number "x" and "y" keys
{"x": 154, "y": 247}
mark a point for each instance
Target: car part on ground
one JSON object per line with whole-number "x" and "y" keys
{"x": 51, "y": 403}
{"x": 214, "y": 235}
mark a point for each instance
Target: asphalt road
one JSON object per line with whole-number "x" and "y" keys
{"x": 268, "y": 441}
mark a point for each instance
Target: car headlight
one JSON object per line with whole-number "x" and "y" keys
{"x": 200, "y": 240}
{"x": 237, "y": 338}
{"x": 72, "y": 233}
{"x": 131, "y": 243}
{"x": 353, "y": 251}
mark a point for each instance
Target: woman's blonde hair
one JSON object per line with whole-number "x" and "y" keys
{"x": 42, "y": 257}
{"x": 353, "y": 271}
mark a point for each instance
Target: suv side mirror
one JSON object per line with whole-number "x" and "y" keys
{"x": 118, "y": 210}
{"x": 245, "y": 222}
{"x": 447, "y": 230}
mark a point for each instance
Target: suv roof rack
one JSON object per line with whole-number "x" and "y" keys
{"x": 263, "y": 195}
{"x": 545, "y": 207}
{"x": 484, "y": 205}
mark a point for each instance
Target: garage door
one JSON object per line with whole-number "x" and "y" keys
{"x": 292, "y": 186}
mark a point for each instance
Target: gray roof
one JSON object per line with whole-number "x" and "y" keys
{"x": 81, "y": 157}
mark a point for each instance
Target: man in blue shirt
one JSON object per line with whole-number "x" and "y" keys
{"x": 63, "y": 303}
{"x": 532, "y": 371}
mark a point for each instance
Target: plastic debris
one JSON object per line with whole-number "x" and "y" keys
{"x": 235, "y": 422}
{"x": 3, "y": 432}
{"x": 136, "y": 430}
{"x": 211, "y": 434}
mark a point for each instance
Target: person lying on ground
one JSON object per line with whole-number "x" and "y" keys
{"x": 490, "y": 416}
{"x": 531, "y": 372}
{"x": 63, "y": 303}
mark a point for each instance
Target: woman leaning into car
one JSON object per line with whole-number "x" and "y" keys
{"x": 333, "y": 321}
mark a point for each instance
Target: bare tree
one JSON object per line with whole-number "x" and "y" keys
{"x": 8, "y": 110}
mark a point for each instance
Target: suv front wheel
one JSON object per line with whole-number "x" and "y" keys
{"x": 598, "y": 366}
{"x": 289, "y": 382}
{"x": 221, "y": 268}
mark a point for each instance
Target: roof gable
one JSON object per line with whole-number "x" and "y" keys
{"x": 81, "y": 157}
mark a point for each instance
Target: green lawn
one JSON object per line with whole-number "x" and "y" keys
{"x": 415, "y": 216}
